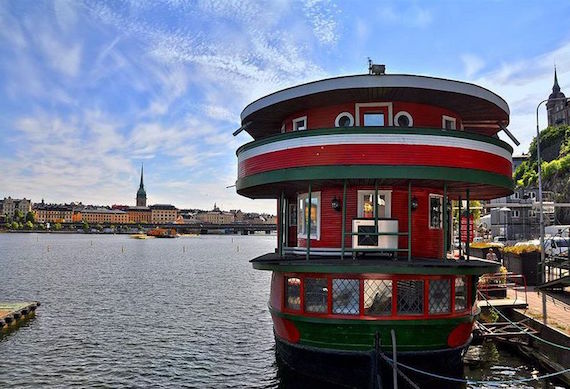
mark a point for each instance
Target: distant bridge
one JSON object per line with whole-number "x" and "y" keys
{"x": 197, "y": 228}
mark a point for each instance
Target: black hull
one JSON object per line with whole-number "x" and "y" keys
{"x": 302, "y": 366}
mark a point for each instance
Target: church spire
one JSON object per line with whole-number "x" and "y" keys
{"x": 141, "y": 193}
{"x": 555, "y": 87}
{"x": 141, "y": 186}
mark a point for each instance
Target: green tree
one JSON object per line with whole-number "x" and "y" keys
{"x": 57, "y": 226}
{"x": 19, "y": 215}
{"x": 14, "y": 225}
{"x": 29, "y": 225}
{"x": 85, "y": 226}
{"x": 31, "y": 217}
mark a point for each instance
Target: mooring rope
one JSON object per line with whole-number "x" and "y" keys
{"x": 521, "y": 328}
{"x": 464, "y": 381}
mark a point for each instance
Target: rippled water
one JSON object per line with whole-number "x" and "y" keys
{"x": 120, "y": 312}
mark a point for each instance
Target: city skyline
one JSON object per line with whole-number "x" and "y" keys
{"x": 91, "y": 91}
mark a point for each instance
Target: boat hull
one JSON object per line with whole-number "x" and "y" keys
{"x": 358, "y": 369}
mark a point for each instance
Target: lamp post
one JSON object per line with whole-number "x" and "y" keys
{"x": 542, "y": 256}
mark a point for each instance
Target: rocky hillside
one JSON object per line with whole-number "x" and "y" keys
{"x": 555, "y": 153}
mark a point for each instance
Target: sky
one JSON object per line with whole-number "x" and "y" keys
{"x": 91, "y": 90}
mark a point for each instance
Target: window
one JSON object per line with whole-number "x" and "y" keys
{"x": 374, "y": 119}
{"x": 293, "y": 293}
{"x": 316, "y": 295}
{"x": 532, "y": 195}
{"x": 532, "y": 213}
{"x": 305, "y": 211}
{"x": 435, "y": 211}
{"x": 345, "y": 296}
{"x": 516, "y": 213}
{"x": 378, "y": 297}
{"x": 516, "y": 196}
{"x": 344, "y": 119}
{"x": 460, "y": 294}
{"x": 403, "y": 119}
{"x": 366, "y": 204}
{"x": 439, "y": 296}
{"x": 292, "y": 214}
{"x": 448, "y": 122}
{"x": 300, "y": 124}
{"x": 410, "y": 297}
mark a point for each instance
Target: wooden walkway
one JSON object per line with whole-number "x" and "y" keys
{"x": 11, "y": 313}
{"x": 503, "y": 303}
{"x": 558, "y": 312}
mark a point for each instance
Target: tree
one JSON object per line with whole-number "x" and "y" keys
{"x": 29, "y": 225}
{"x": 57, "y": 226}
{"x": 31, "y": 217}
{"x": 14, "y": 225}
{"x": 19, "y": 215}
{"x": 85, "y": 226}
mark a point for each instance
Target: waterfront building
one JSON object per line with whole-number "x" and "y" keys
{"x": 53, "y": 213}
{"x": 558, "y": 110}
{"x": 363, "y": 170}
{"x": 216, "y": 216}
{"x": 139, "y": 215}
{"x": 10, "y": 205}
{"x": 101, "y": 215}
{"x": 141, "y": 193}
{"x": 163, "y": 213}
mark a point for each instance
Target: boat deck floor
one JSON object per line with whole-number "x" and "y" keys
{"x": 503, "y": 303}
{"x": 474, "y": 265}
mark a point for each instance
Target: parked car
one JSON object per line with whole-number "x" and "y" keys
{"x": 499, "y": 239}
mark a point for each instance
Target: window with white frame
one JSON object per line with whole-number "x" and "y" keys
{"x": 366, "y": 204}
{"x": 532, "y": 195}
{"x": 516, "y": 195}
{"x": 516, "y": 213}
{"x": 403, "y": 119}
{"x": 300, "y": 124}
{"x": 448, "y": 122}
{"x": 344, "y": 119}
{"x": 306, "y": 211}
{"x": 435, "y": 211}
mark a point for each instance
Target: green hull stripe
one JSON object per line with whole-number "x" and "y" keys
{"x": 375, "y": 171}
{"x": 358, "y": 335}
{"x": 340, "y": 267}
{"x": 376, "y": 130}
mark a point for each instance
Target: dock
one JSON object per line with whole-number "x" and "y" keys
{"x": 13, "y": 313}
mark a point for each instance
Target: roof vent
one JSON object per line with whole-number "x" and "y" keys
{"x": 375, "y": 69}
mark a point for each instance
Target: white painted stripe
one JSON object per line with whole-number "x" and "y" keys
{"x": 379, "y": 139}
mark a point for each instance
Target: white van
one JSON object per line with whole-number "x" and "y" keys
{"x": 556, "y": 246}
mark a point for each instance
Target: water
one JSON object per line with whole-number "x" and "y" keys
{"x": 120, "y": 312}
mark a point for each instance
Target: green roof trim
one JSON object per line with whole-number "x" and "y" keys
{"x": 376, "y": 130}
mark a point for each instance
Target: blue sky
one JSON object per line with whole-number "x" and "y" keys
{"x": 90, "y": 90}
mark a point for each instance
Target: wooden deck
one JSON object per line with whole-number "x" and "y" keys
{"x": 503, "y": 303}
{"x": 12, "y": 313}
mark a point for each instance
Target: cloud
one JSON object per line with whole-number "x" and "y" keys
{"x": 413, "y": 16}
{"x": 472, "y": 64}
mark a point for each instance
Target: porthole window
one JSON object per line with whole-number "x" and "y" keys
{"x": 403, "y": 119}
{"x": 344, "y": 119}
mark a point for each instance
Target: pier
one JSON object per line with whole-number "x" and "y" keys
{"x": 13, "y": 313}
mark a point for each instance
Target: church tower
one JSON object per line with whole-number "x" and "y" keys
{"x": 558, "y": 110}
{"x": 141, "y": 194}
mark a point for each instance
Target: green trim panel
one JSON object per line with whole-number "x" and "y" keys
{"x": 375, "y": 171}
{"x": 358, "y": 335}
{"x": 376, "y": 130}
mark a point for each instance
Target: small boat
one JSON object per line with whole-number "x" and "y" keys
{"x": 139, "y": 236}
{"x": 163, "y": 233}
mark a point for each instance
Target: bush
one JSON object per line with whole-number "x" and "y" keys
{"x": 522, "y": 249}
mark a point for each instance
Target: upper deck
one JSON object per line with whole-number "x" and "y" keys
{"x": 478, "y": 109}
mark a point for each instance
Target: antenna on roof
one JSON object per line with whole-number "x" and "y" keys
{"x": 374, "y": 69}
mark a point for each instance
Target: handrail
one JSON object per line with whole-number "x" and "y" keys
{"x": 502, "y": 281}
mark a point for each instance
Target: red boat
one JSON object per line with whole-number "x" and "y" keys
{"x": 364, "y": 169}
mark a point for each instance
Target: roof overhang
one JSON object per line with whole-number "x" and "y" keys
{"x": 480, "y": 109}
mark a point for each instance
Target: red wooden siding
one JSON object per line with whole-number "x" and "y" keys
{"x": 426, "y": 242}
{"x": 423, "y": 115}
